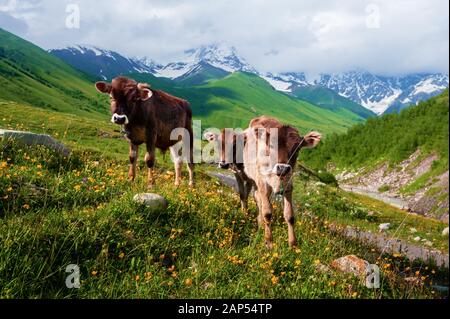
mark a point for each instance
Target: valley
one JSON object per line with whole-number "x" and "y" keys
{"x": 58, "y": 210}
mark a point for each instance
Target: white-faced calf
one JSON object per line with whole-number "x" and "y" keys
{"x": 149, "y": 116}
{"x": 270, "y": 155}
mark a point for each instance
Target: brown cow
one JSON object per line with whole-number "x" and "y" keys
{"x": 270, "y": 155}
{"x": 234, "y": 142}
{"x": 149, "y": 116}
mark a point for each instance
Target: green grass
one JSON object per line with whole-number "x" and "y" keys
{"x": 57, "y": 211}
{"x": 363, "y": 212}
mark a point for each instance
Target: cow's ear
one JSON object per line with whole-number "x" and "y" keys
{"x": 145, "y": 94}
{"x": 311, "y": 139}
{"x": 210, "y": 136}
{"x": 103, "y": 87}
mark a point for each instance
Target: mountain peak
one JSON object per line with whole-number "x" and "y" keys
{"x": 218, "y": 55}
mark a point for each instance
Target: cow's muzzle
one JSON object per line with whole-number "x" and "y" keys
{"x": 119, "y": 119}
{"x": 282, "y": 169}
{"x": 224, "y": 165}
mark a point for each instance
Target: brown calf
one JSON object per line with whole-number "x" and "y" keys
{"x": 270, "y": 155}
{"x": 233, "y": 142}
{"x": 149, "y": 116}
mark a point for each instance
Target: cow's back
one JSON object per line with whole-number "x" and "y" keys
{"x": 169, "y": 113}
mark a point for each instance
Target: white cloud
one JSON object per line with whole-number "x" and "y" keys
{"x": 286, "y": 35}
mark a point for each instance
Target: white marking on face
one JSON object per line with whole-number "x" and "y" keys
{"x": 116, "y": 117}
{"x": 281, "y": 167}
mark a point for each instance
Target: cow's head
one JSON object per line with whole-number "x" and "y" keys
{"x": 230, "y": 145}
{"x": 276, "y": 152}
{"x": 125, "y": 95}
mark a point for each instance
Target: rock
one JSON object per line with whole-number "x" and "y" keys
{"x": 153, "y": 201}
{"x": 30, "y": 138}
{"x": 320, "y": 184}
{"x": 351, "y": 264}
{"x": 384, "y": 227}
{"x": 413, "y": 230}
{"x": 417, "y": 238}
{"x": 445, "y": 231}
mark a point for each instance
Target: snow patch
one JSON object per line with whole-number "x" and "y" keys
{"x": 278, "y": 85}
{"x": 380, "y": 106}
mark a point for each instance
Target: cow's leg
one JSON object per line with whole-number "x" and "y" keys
{"x": 191, "y": 174}
{"x": 266, "y": 209}
{"x": 150, "y": 162}
{"x": 190, "y": 162}
{"x": 133, "y": 160}
{"x": 247, "y": 188}
{"x": 178, "y": 163}
{"x": 259, "y": 218}
{"x": 289, "y": 217}
{"x": 242, "y": 192}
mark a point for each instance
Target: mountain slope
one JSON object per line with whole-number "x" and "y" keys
{"x": 330, "y": 100}
{"x": 30, "y": 75}
{"x": 377, "y": 93}
{"x": 200, "y": 74}
{"x": 235, "y": 99}
{"x": 104, "y": 64}
{"x": 405, "y": 155}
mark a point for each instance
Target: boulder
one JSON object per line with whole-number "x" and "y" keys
{"x": 384, "y": 227}
{"x": 154, "y": 202}
{"x": 445, "y": 231}
{"x": 30, "y": 138}
{"x": 351, "y": 264}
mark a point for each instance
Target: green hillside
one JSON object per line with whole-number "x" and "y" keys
{"x": 30, "y": 75}
{"x": 235, "y": 99}
{"x": 330, "y": 100}
{"x": 392, "y": 137}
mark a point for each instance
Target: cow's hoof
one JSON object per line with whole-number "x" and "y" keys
{"x": 150, "y": 186}
{"x": 191, "y": 184}
{"x": 293, "y": 244}
{"x": 269, "y": 245}
{"x": 177, "y": 183}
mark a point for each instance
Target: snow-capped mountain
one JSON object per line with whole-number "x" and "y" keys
{"x": 376, "y": 93}
{"x": 218, "y": 56}
{"x": 103, "y": 63}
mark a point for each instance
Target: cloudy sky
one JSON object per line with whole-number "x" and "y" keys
{"x": 381, "y": 36}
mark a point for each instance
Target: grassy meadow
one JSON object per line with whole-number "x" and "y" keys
{"x": 56, "y": 211}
